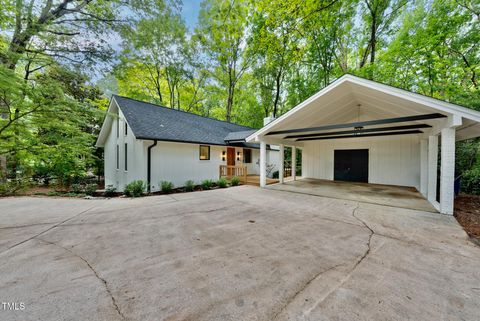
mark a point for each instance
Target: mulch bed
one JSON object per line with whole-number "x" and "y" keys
{"x": 467, "y": 213}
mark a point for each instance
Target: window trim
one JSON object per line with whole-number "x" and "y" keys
{"x": 126, "y": 129}
{"x": 126, "y": 158}
{"x": 249, "y": 151}
{"x": 200, "y": 152}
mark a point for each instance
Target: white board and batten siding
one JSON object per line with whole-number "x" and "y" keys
{"x": 392, "y": 160}
{"x": 179, "y": 162}
{"x": 171, "y": 161}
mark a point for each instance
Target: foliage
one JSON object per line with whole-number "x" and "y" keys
{"x": 109, "y": 191}
{"x": 167, "y": 187}
{"x": 76, "y": 188}
{"x": 207, "y": 184}
{"x": 222, "y": 183}
{"x": 470, "y": 182}
{"x": 12, "y": 187}
{"x": 235, "y": 181}
{"x": 90, "y": 189}
{"x": 275, "y": 174}
{"x": 135, "y": 189}
{"x": 189, "y": 186}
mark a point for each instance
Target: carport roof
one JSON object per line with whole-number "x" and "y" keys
{"x": 354, "y": 103}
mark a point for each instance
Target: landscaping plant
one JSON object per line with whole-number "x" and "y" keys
{"x": 207, "y": 184}
{"x": 90, "y": 189}
{"x": 135, "y": 189}
{"x": 167, "y": 187}
{"x": 189, "y": 185}
{"x": 109, "y": 191}
{"x": 235, "y": 181}
{"x": 222, "y": 183}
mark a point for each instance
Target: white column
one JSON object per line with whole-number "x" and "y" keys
{"x": 424, "y": 167}
{"x": 263, "y": 164}
{"x": 447, "y": 170}
{"x": 432, "y": 168}
{"x": 281, "y": 165}
{"x": 294, "y": 163}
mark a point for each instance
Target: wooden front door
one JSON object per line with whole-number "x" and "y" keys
{"x": 230, "y": 161}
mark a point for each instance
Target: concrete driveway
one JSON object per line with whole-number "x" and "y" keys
{"x": 237, "y": 254}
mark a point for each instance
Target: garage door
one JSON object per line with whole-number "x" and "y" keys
{"x": 351, "y": 165}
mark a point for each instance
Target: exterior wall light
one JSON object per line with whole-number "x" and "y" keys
{"x": 238, "y": 156}
{"x": 223, "y": 155}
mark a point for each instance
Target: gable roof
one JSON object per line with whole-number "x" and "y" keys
{"x": 154, "y": 122}
{"x": 339, "y": 100}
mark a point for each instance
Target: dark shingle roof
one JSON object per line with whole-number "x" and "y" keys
{"x": 149, "y": 121}
{"x": 239, "y": 136}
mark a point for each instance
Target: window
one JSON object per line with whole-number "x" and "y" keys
{"x": 118, "y": 126}
{"x": 247, "y": 156}
{"x": 204, "y": 152}
{"x": 117, "y": 158}
{"x": 126, "y": 157}
{"x": 126, "y": 128}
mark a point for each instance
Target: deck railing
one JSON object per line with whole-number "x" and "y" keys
{"x": 229, "y": 171}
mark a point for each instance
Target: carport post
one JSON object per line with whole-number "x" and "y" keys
{"x": 294, "y": 163}
{"x": 424, "y": 167}
{"x": 447, "y": 170}
{"x": 281, "y": 165}
{"x": 432, "y": 169}
{"x": 263, "y": 164}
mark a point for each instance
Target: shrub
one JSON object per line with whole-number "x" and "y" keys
{"x": 222, "y": 183}
{"x": 235, "y": 181}
{"x": 470, "y": 181}
{"x": 189, "y": 185}
{"x": 207, "y": 184}
{"x": 135, "y": 189}
{"x": 167, "y": 187}
{"x": 76, "y": 188}
{"x": 13, "y": 187}
{"x": 109, "y": 191}
{"x": 90, "y": 189}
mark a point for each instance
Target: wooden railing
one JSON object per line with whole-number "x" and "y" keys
{"x": 229, "y": 171}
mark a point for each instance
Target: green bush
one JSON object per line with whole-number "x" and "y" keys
{"x": 235, "y": 181}
{"x": 207, "y": 184}
{"x": 470, "y": 181}
{"x": 13, "y": 187}
{"x": 222, "y": 183}
{"x": 167, "y": 187}
{"x": 90, "y": 189}
{"x": 76, "y": 188}
{"x": 135, "y": 189}
{"x": 109, "y": 191}
{"x": 189, "y": 186}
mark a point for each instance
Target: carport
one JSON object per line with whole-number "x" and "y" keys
{"x": 360, "y": 131}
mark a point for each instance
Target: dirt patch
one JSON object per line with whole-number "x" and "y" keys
{"x": 467, "y": 212}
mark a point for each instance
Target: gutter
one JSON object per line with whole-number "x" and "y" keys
{"x": 149, "y": 164}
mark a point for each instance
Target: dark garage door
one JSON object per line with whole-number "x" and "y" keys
{"x": 351, "y": 165}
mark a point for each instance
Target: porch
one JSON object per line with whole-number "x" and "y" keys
{"x": 389, "y": 195}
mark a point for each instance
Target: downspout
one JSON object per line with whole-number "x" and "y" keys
{"x": 149, "y": 164}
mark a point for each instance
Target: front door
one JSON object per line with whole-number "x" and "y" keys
{"x": 351, "y": 165}
{"x": 230, "y": 161}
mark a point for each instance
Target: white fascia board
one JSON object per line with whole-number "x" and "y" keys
{"x": 103, "y": 131}
{"x": 263, "y": 130}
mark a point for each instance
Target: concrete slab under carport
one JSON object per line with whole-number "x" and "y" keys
{"x": 240, "y": 253}
{"x": 390, "y": 195}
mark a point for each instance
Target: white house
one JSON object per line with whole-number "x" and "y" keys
{"x": 143, "y": 141}
{"x": 363, "y": 131}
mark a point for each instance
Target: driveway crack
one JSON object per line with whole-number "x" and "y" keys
{"x": 372, "y": 232}
{"x": 300, "y": 291}
{"x": 104, "y": 282}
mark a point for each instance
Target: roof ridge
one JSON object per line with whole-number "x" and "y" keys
{"x": 185, "y": 112}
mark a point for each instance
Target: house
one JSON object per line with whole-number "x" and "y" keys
{"x": 363, "y": 131}
{"x": 143, "y": 141}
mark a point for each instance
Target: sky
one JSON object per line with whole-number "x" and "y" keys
{"x": 190, "y": 11}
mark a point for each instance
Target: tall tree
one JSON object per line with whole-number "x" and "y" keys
{"x": 222, "y": 32}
